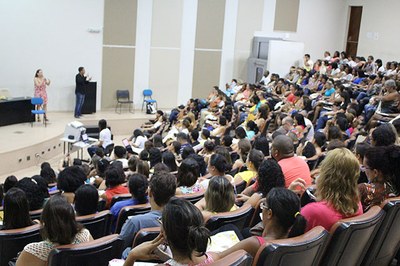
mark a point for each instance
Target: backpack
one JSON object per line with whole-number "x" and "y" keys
{"x": 150, "y": 109}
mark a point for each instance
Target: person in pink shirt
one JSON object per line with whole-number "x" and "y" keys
{"x": 336, "y": 191}
{"x": 293, "y": 167}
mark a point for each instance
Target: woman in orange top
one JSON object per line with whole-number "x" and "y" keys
{"x": 115, "y": 177}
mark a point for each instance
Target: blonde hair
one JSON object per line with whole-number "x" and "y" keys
{"x": 337, "y": 183}
{"x": 220, "y": 195}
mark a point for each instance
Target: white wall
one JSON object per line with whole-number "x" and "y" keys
{"x": 379, "y": 30}
{"x": 53, "y": 36}
{"x": 321, "y": 26}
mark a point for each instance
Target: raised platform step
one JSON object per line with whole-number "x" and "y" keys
{"x": 23, "y": 146}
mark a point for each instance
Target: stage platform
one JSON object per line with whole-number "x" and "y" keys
{"x": 23, "y": 146}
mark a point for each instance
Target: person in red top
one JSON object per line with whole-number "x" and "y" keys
{"x": 115, "y": 177}
{"x": 293, "y": 167}
{"x": 336, "y": 191}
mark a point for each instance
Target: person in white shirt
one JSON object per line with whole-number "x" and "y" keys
{"x": 351, "y": 62}
{"x": 138, "y": 139}
{"x": 104, "y": 138}
{"x": 265, "y": 79}
{"x": 308, "y": 63}
{"x": 379, "y": 65}
{"x": 327, "y": 56}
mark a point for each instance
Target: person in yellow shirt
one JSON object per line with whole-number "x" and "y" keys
{"x": 253, "y": 162}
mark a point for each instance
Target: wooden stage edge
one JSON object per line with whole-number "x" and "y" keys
{"x": 23, "y": 146}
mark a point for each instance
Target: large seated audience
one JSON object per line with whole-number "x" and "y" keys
{"x": 306, "y": 149}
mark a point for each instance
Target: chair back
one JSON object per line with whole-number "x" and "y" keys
{"x": 97, "y": 252}
{"x": 120, "y": 197}
{"x": 145, "y": 234}
{"x": 255, "y": 216}
{"x": 240, "y": 186}
{"x": 108, "y": 150}
{"x": 237, "y": 258}
{"x": 387, "y": 240}
{"x": 192, "y": 197}
{"x": 306, "y": 249}
{"x": 122, "y": 95}
{"x": 98, "y": 224}
{"x": 54, "y": 192}
{"x": 351, "y": 238}
{"x": 125, "y": 212}
{"x": 147, "y": 93}
{"x": 101, "y": 205}
{"x": 35, "y": 215}
{"x": 13, "y": 241}
{"x": 37, "y": 101}
{"x": 237, "y": 217}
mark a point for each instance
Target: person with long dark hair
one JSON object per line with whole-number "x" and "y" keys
{"x": 281, "y": 219}
{"x": 183, "y": 229}
{"x": 381, "y": 164}
{"x": 16, "y": 210}
{"x": 58, "y": 227}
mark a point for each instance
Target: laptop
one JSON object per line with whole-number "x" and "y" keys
{"x": 127, "y": 146}
{"x": 85, "y": 138}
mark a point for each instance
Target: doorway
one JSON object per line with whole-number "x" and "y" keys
{"x": 353, "y": 30}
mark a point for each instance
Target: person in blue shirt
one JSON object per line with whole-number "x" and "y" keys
{"x": 330, "y": 89}
{"x": 138, "y": 186}
{"x": 162, "y": 187}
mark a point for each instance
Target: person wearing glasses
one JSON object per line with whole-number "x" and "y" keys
{"x": 381, "y": 165}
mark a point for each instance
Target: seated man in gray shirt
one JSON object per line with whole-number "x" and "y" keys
{"x": 161, "y": 188}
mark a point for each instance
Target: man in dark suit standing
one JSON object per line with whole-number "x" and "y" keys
{"x": 81, "y": 81}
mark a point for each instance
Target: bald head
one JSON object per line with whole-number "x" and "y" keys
{"x": 282, "y": 147}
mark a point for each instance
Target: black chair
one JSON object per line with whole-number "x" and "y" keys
{"x": 237, "y": 217}
{"x": 54, "y": 193}
{"x": 237, "y": 258}
{"x": 125, "y": 212}
{"x": 108, "y": 150}
{"x": 119, "y": 197}
{"x": 145, "y": 234}
{"x": 192, "y": 197}
{"x": 387, "y": 240}
{"x": 303, "y": 250}
{"x": 13, "y": 241}
{"x": 101, "y": 206}
{"x": 240, "y": 186}
{"x": 35, "y": 215}
{"x": 99, "y": 224}
{"x": 123, "y": 98}
{"x": 255, "y": 216}
{"x": 93, "y": 253}
{"x": 351, "y": 238}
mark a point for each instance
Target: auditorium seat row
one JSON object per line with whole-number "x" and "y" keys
{"x": 369, "y": 239}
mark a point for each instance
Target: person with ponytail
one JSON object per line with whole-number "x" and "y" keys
{"x": 281, "y": 219}
{"x": 381, "y": 164}
{"x": 217, "y": 166}
{"x": 182, "y": 228}
{"x": 253, "y": 162}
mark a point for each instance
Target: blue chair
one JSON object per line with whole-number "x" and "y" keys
{"x": 37, "y": 102}
{"x": 147, "y": 97}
